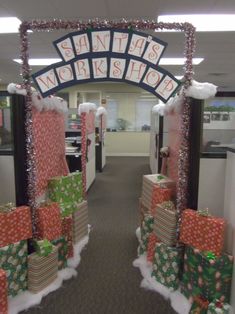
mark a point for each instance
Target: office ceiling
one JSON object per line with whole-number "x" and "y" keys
{"x": 218, "y": 48}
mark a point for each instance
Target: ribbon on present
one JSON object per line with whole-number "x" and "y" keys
{"x": 204, "y": 212}
{"x": 7, "y": 208}
{"x": 210, "y": 255}
{"x": 169, "y": 205}
{"x": 44, "y": 247}
{"x": 160, "y": 177}
{"x": 219, "y": 304}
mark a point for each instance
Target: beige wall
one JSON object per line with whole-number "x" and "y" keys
{"x": 127, "y": 143}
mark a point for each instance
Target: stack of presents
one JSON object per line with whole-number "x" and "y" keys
{"x": 194, "y": 261}
{"x": 61, "y": 222}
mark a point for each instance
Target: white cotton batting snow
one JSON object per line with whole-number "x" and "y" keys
{"x": 27, "y": 299}
{"x": 178, "y": 301}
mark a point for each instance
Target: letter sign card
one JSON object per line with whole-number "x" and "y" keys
{"x": 108, "y": 54}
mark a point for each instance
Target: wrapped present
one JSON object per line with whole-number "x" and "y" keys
{"x": 42, "y": 270}
{"x": 80, "y": 222}
{"x": 67, "y": 232}
{"x": 66, "y": 189}
{"x": 156, "y": 189}
{"x": 49, "y": 222}
{"x": 43, "y": 247}
{"x": 205, "y": 233}
{"x": 13, "y": 259}
{"x": 207, "y": 275}
{"x": 152, "y": 240}
{"x": 142, "y": 211}
{"x": 199, "y": 306}
{"x": 62, "y": 247}
{"x": 218, "y": 307}
{"x": 3, "y": 292}
{"x": 15, "y": 225}
{"x": 146, "y": 230}
{"x": 165, "y": 223}
{"x": 167, "y": 265}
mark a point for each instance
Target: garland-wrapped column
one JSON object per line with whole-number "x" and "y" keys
{"x": 83, "y": 151}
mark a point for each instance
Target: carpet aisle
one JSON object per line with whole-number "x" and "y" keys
{"x": 107, "y": 283}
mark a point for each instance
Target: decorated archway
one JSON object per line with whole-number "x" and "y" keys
{"x": 136, "y": 69}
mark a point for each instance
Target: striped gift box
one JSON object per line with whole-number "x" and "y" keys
{"x": 165, "y": 224}
{"x": 80, "y": 222}
{"x": 42, "y": 270}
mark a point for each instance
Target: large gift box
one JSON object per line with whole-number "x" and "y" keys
{"x": 165, "y": 223}
{"x": 142, "y": 211}
{"x": 146, "y": 230}
{"x": 3, "y": 292}
{"x": 207, "y": 275}
{"x": 62, "y": 246}
{"x": 67, "y": 232}
{"x": 49, "y": 221}
{"x": 218, "y": 307}
{"x": 13, "y": 259}
{"x": 15, "y": 225}
{"x": 156, "y": 189}
{"x": 80, "y": 222}
{"x": 42, "y": 270}
{"x": 203, "y": 232}
{"x": 67, "y": 191}
{"x": 167, "y": 265}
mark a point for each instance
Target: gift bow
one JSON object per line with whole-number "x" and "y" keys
{"x": 204, "y": 212}
{"x": 44, "y": 247}
{"x": 168, "y": 205}
{"x": 219, "y": 304}
{"x": 7, "y": 208}
{"x": 210, "y": 256}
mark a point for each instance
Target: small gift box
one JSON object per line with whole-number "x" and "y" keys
{"x": 67, "y": 232}
{"x": 43, "y": 247}
{"x": 80, "y": 222}
{"x": 167, "y": 265}
{"x": 152, "y": 240}
{"x": 207, "y": 275}
{"x": 146, "y": 230}
{"x": 156, "y": 189}
{"x": 66, "y": 189}
{"x": 218, "y": 307}
{"x": 42, "y": 270}
{"x": 201, "y": 231}
{"x": 13, "y": 259}
{"x": 165, "y": 223}
{"x": 49, "y": 221}
{"x": 15, "y": 225}
{"x": 62, "y": 247}
{"x": 3, "y": 292}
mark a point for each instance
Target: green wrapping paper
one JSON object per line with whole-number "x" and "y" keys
{"x": 167, "y": 265}
{"x": 217, "y": 307}
{"x": 67, "y": 191}
{"x": 13, "y": 259}
{"x": 62, "y": 247}
{"x": 207, "y": 276}
{"x": 146, "y": 230}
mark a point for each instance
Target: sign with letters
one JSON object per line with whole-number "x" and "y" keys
{"x": 108, "y": 55}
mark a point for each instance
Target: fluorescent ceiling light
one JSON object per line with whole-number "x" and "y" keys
{"x": 203, "y": 22}
{"x": 47, "y": 61}
{"x": 9, "y": 25}
{"x": 178, "y": 61}
{"x": 178, "y": 77}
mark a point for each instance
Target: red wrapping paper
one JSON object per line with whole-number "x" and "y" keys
{"x": 152, "y": 240}
{"x": 159, "y": 196}
{"x": 3, "y": 293}
{"x": 67, "y": 232}
{"x": 205, "y": 233}
{"x": 15, "y": 226}
{"x": 49, "y": 222}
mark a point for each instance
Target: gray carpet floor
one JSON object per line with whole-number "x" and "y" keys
{"x": 107, "y": 283}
